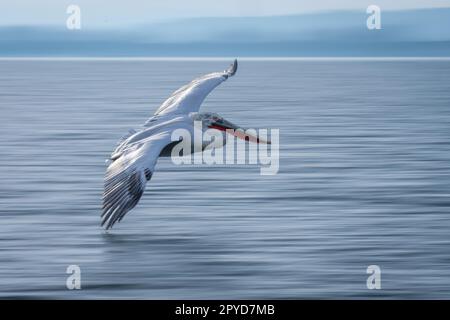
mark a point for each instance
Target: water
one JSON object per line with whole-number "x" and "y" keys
{"x": 364, "y": 179}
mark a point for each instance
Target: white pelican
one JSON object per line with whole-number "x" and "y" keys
{"x": 134, "y": 159}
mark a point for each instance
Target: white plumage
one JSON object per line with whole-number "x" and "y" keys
{"x": 135, "y": 157}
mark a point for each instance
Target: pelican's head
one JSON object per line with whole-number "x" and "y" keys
{"x": 211, "y": 120}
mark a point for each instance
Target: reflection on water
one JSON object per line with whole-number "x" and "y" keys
{"x": 364, "y": 179}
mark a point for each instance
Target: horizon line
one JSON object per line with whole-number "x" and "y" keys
{"x": 269, "y": 58}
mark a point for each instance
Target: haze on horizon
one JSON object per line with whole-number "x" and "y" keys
{"x": 104, "y": 13}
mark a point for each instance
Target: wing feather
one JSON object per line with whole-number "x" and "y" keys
{"x": 126, "y": 177}
{"x": 189, "y": 97}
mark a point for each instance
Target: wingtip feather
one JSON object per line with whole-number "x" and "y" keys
{"x": 233, "y": 68}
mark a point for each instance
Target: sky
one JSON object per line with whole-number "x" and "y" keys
{"x": 107, "y": 13}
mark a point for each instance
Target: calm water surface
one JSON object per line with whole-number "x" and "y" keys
{"x": 364, "y": 179}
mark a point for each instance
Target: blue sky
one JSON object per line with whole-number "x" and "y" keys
{"x": 107, "y": 13}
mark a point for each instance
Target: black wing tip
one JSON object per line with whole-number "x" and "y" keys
{"x": 233, "y": 68}
{"x": 121, "y": 194}
{"x": 109, "y": 221}
{"x": 106, "y": 220}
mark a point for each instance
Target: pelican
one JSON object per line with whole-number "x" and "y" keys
{"x": 133, "y": 161}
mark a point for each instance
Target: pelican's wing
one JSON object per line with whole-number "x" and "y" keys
{"x": 126, "y": 177}
{"x": 189, "y": 97}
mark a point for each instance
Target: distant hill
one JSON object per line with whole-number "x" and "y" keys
{"x": 424, "y": 32}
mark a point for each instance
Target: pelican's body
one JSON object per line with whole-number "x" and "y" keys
{"x": 134, "y": 159}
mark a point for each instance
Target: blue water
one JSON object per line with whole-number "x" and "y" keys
{"x": 364, "y": 180}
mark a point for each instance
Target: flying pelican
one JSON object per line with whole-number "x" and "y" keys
{"x": 133, "y": 161}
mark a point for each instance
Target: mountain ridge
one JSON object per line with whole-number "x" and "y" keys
{"x": 420, "y": 32}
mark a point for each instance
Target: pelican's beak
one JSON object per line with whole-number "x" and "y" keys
{"x": 231, "y": 128}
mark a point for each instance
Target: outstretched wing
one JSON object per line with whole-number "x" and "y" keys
{"x": 189, "y": 97}
{"x": 126, "y": 177}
